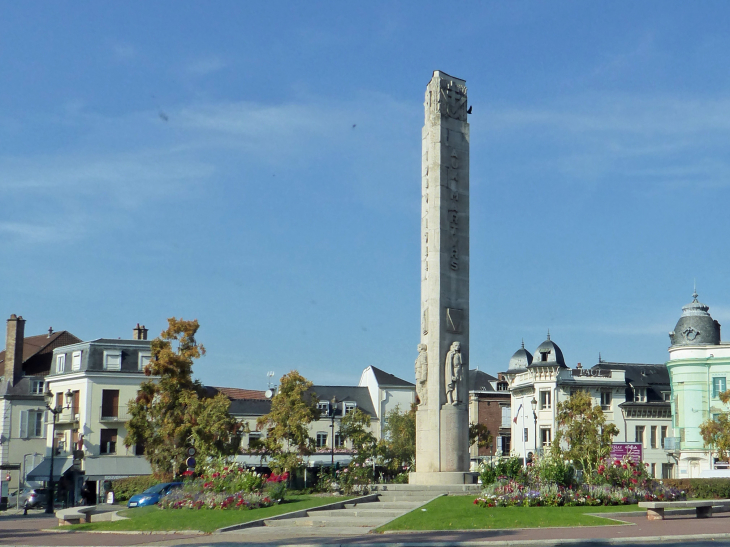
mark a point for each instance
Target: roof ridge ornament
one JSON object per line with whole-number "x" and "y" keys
{"x": 548, "y": 334}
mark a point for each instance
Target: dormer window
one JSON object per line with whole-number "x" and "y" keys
{"x": 76, "y": 360}
{"x": 112, "y": 360}
{"x": 144, "y": 359}
{"x": 60, "y": 363}
{"x": 640, "y": 395}
{"x": 324, "y": 407}
{"x": 36, "y": 387}
{"x": 544, "y": 356}
{"x": 349, "y": 407}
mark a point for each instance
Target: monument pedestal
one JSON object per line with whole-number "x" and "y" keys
{"x": 442, "y": 478}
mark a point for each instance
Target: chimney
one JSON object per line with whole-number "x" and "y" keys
{"x": 13, "y": 369}
{"x": 139, "y": 333}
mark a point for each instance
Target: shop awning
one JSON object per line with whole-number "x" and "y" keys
{"x": 41, "y": 471}
{"x": 115, "y": 467}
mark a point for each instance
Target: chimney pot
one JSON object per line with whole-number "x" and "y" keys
{"x": 139, "y": 333}
{"x": 12, "y": 368}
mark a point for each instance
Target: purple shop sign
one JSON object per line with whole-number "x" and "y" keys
{"x": 621, "y": 450}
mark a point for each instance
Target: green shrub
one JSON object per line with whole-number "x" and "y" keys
{"x": 126, "y": 488}
{"x": 701, "y": 488}
{"x": 552, "y": 469}
{"x": 487, "y": 474}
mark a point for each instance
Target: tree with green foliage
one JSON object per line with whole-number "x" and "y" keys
{"x": 398, "y": 447}
{"x": 583, "y": 427}
{"x": 480, "y": 434}
{"x": 173, "y": 412}
{"x": 355, "y": 426}
{"x": 293, "y": 408}
{"x": 716, "y": 432}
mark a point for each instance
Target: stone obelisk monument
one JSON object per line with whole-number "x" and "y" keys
{"x": 442, "y": 367}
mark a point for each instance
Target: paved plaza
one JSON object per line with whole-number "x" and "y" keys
{"x": 37, "y": 530}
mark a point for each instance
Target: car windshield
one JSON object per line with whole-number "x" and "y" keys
{"x": 155, "y": 489}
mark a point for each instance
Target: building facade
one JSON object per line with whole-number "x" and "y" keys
{"x": 699, "y": 366}
{"x": 24, "y": 364}
{"x": 634, "y": 397}
{"x": 490, "y": 404}
{"x": 100, "y": 377}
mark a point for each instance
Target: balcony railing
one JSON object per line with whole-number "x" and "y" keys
{"x": 68, "y": 415}
{"x": 120, "y": 414}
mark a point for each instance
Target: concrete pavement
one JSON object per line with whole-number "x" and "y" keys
{"x": 633, "y": 530}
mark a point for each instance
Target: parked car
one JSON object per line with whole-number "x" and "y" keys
{"x": 37, "y": 497}
{"x": 152, "y": 495}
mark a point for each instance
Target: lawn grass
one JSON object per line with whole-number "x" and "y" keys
{"x": 150, "y": 519}
{"x": 460, "y": 513}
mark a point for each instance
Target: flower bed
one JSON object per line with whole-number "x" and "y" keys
{"x": 193, "y": 497}
{"x": 228, "y": 486}
{"x": 508, "y": 493}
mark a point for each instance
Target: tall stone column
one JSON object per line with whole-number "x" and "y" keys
{"x": 442, "y": 418}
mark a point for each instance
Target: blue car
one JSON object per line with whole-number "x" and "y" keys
{"x": 152, "y": 495}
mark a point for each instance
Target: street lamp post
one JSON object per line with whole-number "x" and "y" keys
{"x": 333, "y": 412}
{"x": 55, "y": 411}
{"x": 533, "y": 403}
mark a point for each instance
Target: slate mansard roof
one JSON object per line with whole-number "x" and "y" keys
{"x": 480, "y": 381}
{"x": 655, "y": 378}
{"x": 92, "y": 355}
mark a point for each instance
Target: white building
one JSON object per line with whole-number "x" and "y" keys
{"x": 98, "y": 378}
{"x": 635, "y": 397}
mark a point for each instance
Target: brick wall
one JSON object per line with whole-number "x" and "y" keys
{"x": 490, "y": 414}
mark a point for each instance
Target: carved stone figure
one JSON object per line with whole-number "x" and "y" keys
{"x": 422, "y": 375}
{"x": 453, "y": 373}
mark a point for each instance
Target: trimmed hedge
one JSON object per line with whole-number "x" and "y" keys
{"x": 701, "y": 488}
{"x": 126, "y": 488}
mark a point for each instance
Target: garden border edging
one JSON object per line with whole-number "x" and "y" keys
{"x": 299, "y": 513}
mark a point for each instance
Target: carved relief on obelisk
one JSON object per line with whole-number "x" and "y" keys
{"x": 442, "y": 419}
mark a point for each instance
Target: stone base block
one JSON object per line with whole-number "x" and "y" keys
{"x": 443, "y": 477}
{"x": 655, "y": 514}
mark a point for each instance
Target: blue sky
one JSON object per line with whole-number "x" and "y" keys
{"x": 199, "y": 159}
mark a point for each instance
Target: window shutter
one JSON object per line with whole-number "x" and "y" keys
{"x": 45, "y": 424}
{"x": 23, "y": 424}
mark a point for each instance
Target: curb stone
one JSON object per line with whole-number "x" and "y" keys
{"x": 523, "y": 543}
{"x": 129, "y": 532}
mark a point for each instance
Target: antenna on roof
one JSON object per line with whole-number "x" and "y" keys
{"x": 270, "y": 375}
{"x": 694, "y": 292}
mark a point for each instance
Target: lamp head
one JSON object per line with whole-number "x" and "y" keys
{"x": 69, "y": 398}
{"x": 533, "y": 404}
{"x": 48, "y": 396}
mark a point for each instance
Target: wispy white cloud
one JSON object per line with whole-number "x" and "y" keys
{"x": 124, "y": 51}
{"x": 205, "y": 65}
{"x": 34, "y": 233}
{"x": 662, "y": 140}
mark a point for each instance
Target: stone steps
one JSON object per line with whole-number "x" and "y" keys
{"x": 338, "y": 522}
{"x": 391, "y": 503}
{"x": 358, "y": 512}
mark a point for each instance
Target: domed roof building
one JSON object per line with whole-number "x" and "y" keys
{"x": 548, "y": 354}
{"x": 695, "y": 327}
{"x": 520, "y": 360}
{"x": 699, "y": 368}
